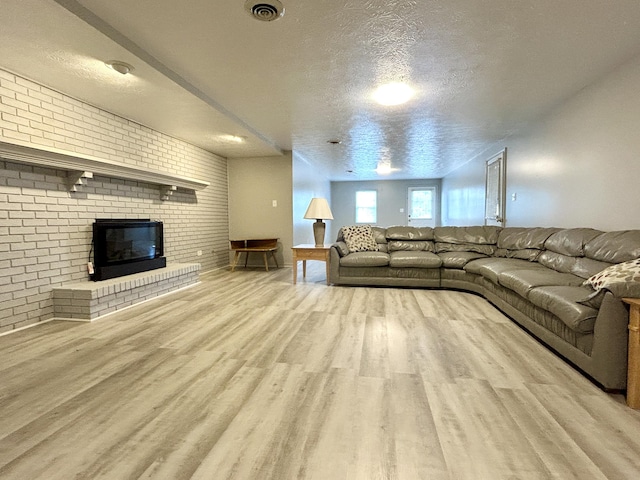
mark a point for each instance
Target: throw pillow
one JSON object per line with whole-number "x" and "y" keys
{"x": 622, "y": 279}
{"x": 359, "y": 238}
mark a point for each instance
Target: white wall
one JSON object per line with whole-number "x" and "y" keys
{"x": 254, "y": 184}
{"x": 578, "y": 166}
{"x": 463, "y": 195}
{"x": 308, "y": 182}
{"x": 392, "y": 197}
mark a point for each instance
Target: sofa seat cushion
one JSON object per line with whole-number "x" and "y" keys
{"x": 458, "y": 259}
{"x": 365, "y": 259}
{"x": 414, "y": 259}
{"x": 562, "y": 301}
{"x": 523, "y": 281}
{"x": 490, "y": 268}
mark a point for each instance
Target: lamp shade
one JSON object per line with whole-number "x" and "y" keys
{"x": 319, "y": 209}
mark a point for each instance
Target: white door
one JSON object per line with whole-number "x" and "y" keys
{"x": 421, "y": 207}
{"x": 495, "y": 190}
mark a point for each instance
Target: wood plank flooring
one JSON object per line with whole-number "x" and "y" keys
{"x": 247, "y": 376}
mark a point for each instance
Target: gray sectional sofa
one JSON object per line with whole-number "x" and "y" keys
{"x": 534, "y": 275}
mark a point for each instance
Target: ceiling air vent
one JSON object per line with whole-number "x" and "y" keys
{"x": 266, "y": 12}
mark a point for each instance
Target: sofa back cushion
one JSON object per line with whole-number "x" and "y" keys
{"x": 478, "y": 235}
{"x": 565, "y": 252}
{"x": 518, "y": 238}
{"x": 614, "y": 247}
{"x": 478, "y": 239}
{"x": 409, "y": 233}
{"x": 380, "y": 238}
{"x": 413, "y": 239}
{"x": 571, "y": 241}
{"x": 410, "y": 245}
{"x": 523, "y": 243}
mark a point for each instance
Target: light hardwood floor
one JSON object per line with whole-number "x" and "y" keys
{"x": 247, "y": 376}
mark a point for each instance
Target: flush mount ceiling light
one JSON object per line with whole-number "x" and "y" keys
{"x": 232, "y": 138}
{"x": 264, "y": 11}
{"x": 120, "y": 67}
{"x": 383, "y": 168}
{"x": 394, "y": 93}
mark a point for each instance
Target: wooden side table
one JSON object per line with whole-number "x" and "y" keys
{"x": 259, "y": 245}
{"x": 633, "y": 362}
{"x": 306, "y": 252}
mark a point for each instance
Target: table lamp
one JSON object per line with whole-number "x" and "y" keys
{"x": 319, "y": 209}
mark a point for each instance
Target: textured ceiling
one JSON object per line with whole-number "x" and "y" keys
{"x": 481, "y": 69}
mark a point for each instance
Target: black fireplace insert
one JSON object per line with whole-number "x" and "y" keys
{"x": 123, "y": 246}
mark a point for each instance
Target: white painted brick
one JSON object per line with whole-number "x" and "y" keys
{"x": 27, "y": 83}
{"x": 6, "y": 92}
{"x": 54, "y": 123}
{"x": 49, "y": 259}
{"x": 21, "y": 262}
{"x": 20, "y": 246}
{"x": 20, "y": 214}
{"x": 5, "y": 125}
{"x": 54, "y": 137}
{"x": 43, "y": 96}
{"x": 48, "y": 273}
{"x": 4, "y": 75}
{"x": 21, "y": 230}
{"x": 41, "y": 126}
{"x": 15, "y": 119}
{"x": 23, "y": 278}
{"x": 40, "y": 282}
{"x": 15, "y": 135}
{"x": 63, "y": 118}
{"x": 13, "y": 271}
{"x": 30, "y": 131}
{"x": 36, "y": 207}
{"x": 28, "y": 99}
{"x": 16, "y": 302}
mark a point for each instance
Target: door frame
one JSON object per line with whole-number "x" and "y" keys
{"x": 495, "y": 189}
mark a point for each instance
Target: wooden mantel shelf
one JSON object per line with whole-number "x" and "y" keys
{"x": 81, "y": 167}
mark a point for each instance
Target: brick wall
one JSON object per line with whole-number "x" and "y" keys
{"x": 45, "y": 231}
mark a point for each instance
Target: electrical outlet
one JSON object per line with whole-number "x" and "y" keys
{"x": 274, "y": 203}
{"x": 199, "y": 253}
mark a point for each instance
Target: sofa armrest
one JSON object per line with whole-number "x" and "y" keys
{"x": 341, "y": 248}
{"x": 334, "y": 264}
{"x": 610, "y": 338}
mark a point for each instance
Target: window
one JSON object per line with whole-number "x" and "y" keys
{"x": 366, "y": 206}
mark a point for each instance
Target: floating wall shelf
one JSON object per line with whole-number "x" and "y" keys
{"x": 80, "y": 168}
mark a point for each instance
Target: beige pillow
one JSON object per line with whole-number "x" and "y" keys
{"x": 359, "y": 238}
{"x": 622, "y": 279}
